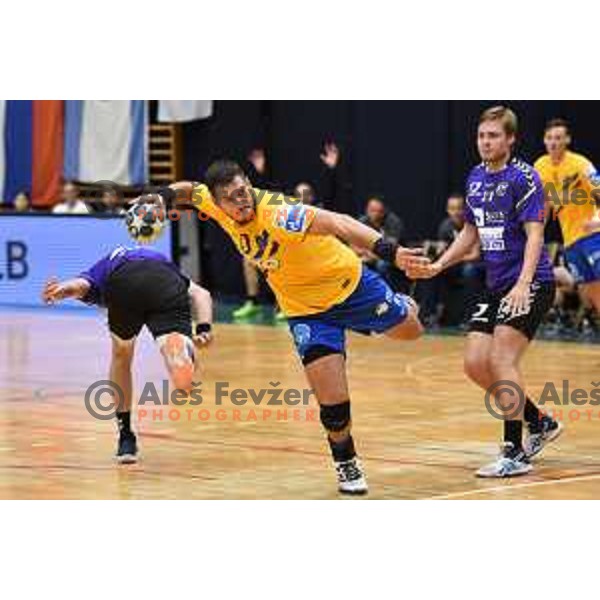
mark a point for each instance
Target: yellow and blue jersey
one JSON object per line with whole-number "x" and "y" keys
{"x": 308, "y": 273}
{"x": 572, "y": 187}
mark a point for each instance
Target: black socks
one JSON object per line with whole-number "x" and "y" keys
{"x": 124, "y": 421}
{"x": 342, "y": 450}
{"x": 513, "y": 433}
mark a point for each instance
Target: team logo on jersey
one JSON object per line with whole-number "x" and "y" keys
{"x": 594, "y": 177}
{"x": 292, "y": 218}
{"x": 501, "y": 189}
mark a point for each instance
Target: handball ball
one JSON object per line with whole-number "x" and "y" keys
{"x": 145, "y": 222}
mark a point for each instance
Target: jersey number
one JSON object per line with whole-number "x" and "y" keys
{"x": 265, "y": 247}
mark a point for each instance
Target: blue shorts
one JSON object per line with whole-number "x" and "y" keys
{"x": 583, "y": 259}
{"x": 372, "y": 307}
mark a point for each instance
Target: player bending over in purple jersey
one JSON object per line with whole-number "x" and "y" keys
{"x": 142, "y": 287}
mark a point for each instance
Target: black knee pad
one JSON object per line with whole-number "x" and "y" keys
{"x": 336, "y": 417}
{"x": 318, "y": 351}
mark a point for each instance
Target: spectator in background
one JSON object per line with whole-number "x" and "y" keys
{"x": 71, "y": 203}
{"x": 452, "y": 225}
{"x": 22, "y": 204}
{"x": 383, "y": 220}
{"x": 458, "y": 283}
{"x": 306, "y": 193}
{"x": 392, "y": 228}
{"x": 110, "y": 203}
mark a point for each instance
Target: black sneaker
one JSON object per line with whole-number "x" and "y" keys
{"x": 127, "y": 450}
{"x": 540, "y": 434}
{"x": 351, "y": 479}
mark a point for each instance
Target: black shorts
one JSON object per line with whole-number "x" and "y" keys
{"x": 486, "y": 312}
{"x": 148, "y": 293}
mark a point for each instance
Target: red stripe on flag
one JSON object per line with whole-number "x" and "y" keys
{"x": 47, "y": 167}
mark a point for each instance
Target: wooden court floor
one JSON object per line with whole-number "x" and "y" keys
{"x": 420, "y": 427}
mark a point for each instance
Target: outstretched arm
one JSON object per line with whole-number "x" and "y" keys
{"x": 459, "y": 250}
{"x": 54, "y": 291}
{"x": 357, "y": 234}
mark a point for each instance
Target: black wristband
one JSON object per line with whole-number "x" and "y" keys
{"x": 167, "y": 194}
{"x": 385, "y": 250}
{"x": 203, "y": 328}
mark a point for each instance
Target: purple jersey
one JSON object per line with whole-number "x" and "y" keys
{"x": 99, "y": 274}
{"x": 498, "y": 204}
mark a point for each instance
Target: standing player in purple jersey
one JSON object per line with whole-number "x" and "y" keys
{"x": 142, "y": 287}
{"x": 505, "y": 215}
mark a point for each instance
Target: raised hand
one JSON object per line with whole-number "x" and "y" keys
{"x": 330, "y": 156}
{"x": 258, "y": 160}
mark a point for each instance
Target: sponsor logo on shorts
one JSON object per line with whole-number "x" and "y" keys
{"x": 302, "y": 334}
{"x": 382, "y": 309}
{"x": 398, "y": 299}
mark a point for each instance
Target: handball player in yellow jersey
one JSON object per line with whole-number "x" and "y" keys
{"x": 319, "y": 283}
{"x": 572, "y": 188}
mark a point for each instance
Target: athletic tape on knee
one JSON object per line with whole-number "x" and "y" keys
{"x": 336, "y": 417}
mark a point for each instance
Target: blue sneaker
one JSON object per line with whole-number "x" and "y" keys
{"x": 127, "y": 449}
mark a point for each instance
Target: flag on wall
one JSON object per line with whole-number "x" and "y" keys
{"x": 106, "y": 140}
{"x": 31, "y": 149}
{"x": 44, "y": 141}
{"x": 179, "y": 111}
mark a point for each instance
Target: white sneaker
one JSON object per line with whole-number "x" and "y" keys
{"x": 351, "y": 479}
{"x": 509, "y": 463}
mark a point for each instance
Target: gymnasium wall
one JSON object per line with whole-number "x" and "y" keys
{"x": 412, "y": 152}
{"x": 34, "y": 247}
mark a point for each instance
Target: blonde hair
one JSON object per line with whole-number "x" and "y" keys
{"x": 503, "y": 114}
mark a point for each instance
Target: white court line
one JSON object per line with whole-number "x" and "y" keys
{"x": 517, "y": 486}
